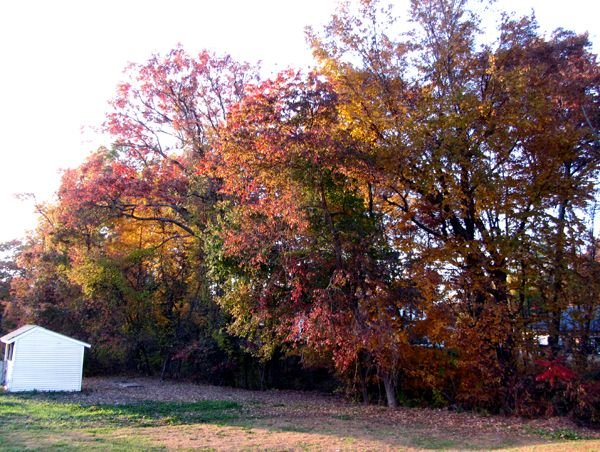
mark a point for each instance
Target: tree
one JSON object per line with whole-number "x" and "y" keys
{"x": 130, "y": 221}
{"x": 472, "y": 151}
{"x": 9, "y": 269}
{"x": 308, "y": 264}
{"x": 41, "y": 291}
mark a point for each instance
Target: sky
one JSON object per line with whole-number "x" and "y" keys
{"x": 62, "y": 60}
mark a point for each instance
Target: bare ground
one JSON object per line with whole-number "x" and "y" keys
{"x": 294, "y": 420}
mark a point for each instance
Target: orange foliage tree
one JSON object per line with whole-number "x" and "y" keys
{"x": 482, "y": 157}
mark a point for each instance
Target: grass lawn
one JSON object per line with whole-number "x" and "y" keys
{"x": 37, "y": 421}
{"x": 27, "y": 422}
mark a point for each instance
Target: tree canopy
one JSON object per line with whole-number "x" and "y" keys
{"x": 413, "y": 213}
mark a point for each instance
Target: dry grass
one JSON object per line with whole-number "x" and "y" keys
{"x": 112, "y": 417}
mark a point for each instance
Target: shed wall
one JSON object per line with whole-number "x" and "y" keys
{"x": 45, "y": 362}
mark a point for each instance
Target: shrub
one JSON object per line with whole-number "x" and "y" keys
{"x": 586, "y": 408}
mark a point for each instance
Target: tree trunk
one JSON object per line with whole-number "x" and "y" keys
{"x": 554, "y": 332}
{"x": 390, "y": 390}
{"x": 557, "y": 283}
{"x": 165, "y": 366}
{"x": 363, "y": 374}
{"x": 364, "y": 392}
{"x": 337, "y": 244}
{"x": 362, "y": 370}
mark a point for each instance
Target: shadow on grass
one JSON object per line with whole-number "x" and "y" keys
{"x": 53, "y": 413}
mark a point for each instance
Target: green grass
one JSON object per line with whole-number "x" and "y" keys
{"x": 297, "y": 428}
{"x": 28, "y": 422}
{"x": 48, "y": 414}
{"x": 343, "y": 417}
{"x": 557, "y": 434}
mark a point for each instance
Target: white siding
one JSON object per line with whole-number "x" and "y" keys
{"x": 45, "y": 362}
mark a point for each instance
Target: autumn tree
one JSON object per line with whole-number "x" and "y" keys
{"x": 481, "y": 156}
{"x": 309, "y": 265}
{"x": 130, "y": 221}
{"x": 9, "y": 270}
{"x": 41, "y": 291}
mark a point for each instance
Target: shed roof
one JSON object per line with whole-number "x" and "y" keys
{"x": 27, "y": 329}
{"x": 9, "y": 337}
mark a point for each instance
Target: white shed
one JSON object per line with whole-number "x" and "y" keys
{"x": 36, "y": 358}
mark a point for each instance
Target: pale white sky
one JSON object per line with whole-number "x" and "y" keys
{"x": 61, "y": 61}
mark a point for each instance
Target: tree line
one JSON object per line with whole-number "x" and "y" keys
{"x": 415, "y": 215}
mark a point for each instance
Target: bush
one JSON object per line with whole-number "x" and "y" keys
{"x": 546, "y": 390}
{"x": 586, "y": 408}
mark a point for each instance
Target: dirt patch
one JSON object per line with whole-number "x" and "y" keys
{"x": 119, "y": 390}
